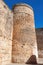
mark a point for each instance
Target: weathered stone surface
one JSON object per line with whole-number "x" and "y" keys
{"x": 24, "y": 39}
{"x": 6, "y": 27}
{"x": 39, "y": 36}
{"x": 22, "y": 48}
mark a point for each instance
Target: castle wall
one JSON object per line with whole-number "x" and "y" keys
{"x": 39, "y": 36}
{"x": 17, "y": 35}
{"x": 6, "y": 25}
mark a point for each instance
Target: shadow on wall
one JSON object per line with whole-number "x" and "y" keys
{"x": 32, "y": 60}
{"x": 39, "y": 38}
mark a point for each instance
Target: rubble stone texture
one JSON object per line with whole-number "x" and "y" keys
{"x": 24, "y": 45}
{"x": 39, "y": 36}
{"x": 6, "y": 27}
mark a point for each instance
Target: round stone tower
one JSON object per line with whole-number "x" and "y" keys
{"x": 24, "y": 48}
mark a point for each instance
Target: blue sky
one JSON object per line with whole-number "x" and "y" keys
{"x": 37, "y": 7}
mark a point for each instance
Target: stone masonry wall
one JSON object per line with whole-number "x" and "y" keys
{"x": 6, "y": 27}
{"x": 39, "y": 35}
{"x": 17, "y": 35}
{"x": 24, "y": 49}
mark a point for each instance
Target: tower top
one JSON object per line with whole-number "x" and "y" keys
{"x": 24, "y": 4}
{"x": 24, "y": 8}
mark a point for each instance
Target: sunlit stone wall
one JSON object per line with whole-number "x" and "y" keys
{"x": 6, "y": 27}
{"x": 24, "y": 45}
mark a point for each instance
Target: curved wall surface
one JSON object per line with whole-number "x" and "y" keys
{"x": 24, "y": 46}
